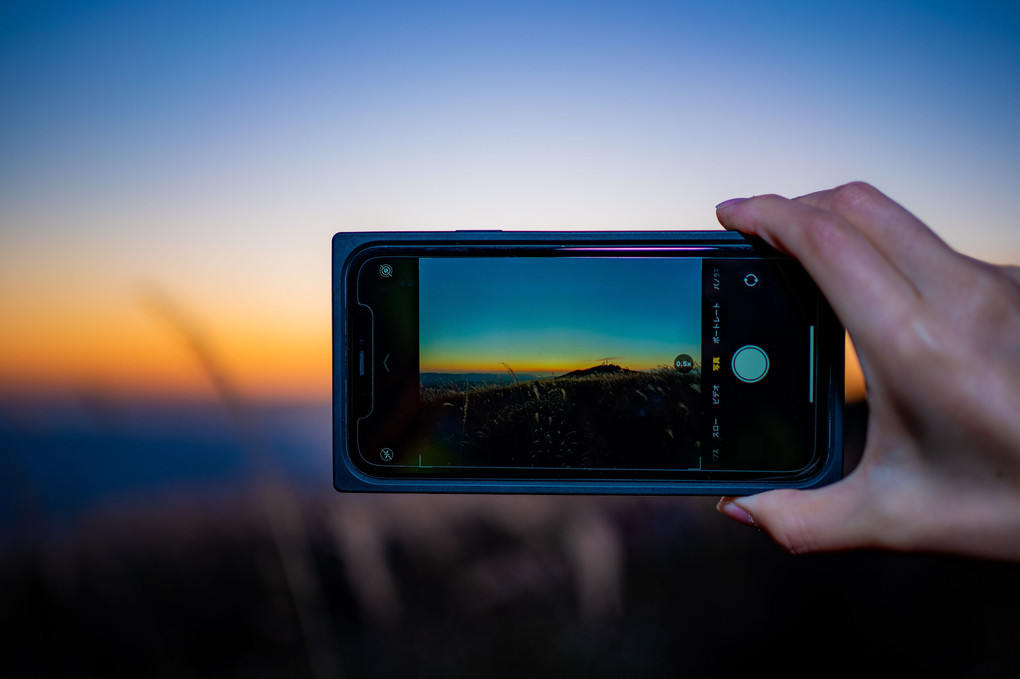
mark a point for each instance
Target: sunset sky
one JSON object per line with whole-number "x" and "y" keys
{"x": 205, "y": 152}
{"x": 557, "y": 315}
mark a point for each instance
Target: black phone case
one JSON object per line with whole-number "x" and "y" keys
{"x": 346, "y": 477}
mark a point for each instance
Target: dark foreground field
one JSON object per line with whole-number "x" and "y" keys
{"x": 216, "y": 572}
{"x": 604, "y": 416}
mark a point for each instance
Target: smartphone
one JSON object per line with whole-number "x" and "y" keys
{"x": 581, "y": 362}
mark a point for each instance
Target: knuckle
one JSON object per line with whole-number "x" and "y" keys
{"x": 855, "y": 195}
{"x": 981, "y": 311}
{"x": 988, "y": 303}
{"x": 996, "y": 288}
{"x": 1012, "y": 272}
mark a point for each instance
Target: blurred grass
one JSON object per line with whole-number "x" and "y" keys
{"x": 504, "y": 586}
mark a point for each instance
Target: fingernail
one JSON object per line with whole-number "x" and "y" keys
{"x": 728, "y": 203}
{"x": 731, "y": 509}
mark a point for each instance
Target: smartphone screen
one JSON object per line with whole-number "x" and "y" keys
{"x": 583, "y": 362}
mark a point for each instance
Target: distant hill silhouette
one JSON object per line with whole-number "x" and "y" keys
{"x": 604, "y": 369}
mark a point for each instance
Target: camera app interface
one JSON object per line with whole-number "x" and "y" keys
{"x": 624, "y": 366}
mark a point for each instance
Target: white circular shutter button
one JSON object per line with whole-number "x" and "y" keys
{"x": 750, "y": 363}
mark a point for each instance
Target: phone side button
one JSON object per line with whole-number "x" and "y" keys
{"x": 479, "y": 231}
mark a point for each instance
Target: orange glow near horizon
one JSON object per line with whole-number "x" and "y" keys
{"x": 135, "y": 353}
{"x": 138, "y": 354}
{"x": 853, "y": 375}
{"x": 550, "y": 367}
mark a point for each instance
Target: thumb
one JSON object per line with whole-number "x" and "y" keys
{"x": 803, "y": 520}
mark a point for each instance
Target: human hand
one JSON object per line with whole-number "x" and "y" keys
{"x": 938, "y": 337}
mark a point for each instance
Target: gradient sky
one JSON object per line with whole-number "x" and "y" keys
{"x": 209, "y": 150}
{"x": 557, "y": 314}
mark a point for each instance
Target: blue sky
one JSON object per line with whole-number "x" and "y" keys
{"x": 214, "y": 147}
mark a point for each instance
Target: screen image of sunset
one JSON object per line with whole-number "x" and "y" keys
{"x": 549, "y": 316}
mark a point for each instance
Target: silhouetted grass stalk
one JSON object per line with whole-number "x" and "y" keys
{"x": 282, "y": 513}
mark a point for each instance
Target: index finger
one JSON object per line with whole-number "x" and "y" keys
{"x": 867, "y": 291}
